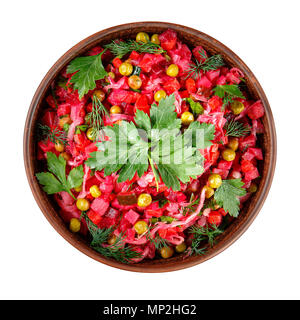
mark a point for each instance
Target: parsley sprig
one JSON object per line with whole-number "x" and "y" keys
{"x": 121, "y": 48}
{"x": 228, "y": 92}
{"x": 55, "y": 180}
{"x": 227, "y": 195}
{"x": 172, "y": 155}
{"x": 87, "y": 71}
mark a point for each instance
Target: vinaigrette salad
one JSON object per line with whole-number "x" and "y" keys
{"x": 150, "y": 147}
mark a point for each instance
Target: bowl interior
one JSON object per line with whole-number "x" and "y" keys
{"x": 192, "y": 38}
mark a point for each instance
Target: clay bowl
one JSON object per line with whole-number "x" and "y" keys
{"x": 191, "y": 37}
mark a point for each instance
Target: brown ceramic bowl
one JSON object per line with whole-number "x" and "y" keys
{"x": 191, "y": 37}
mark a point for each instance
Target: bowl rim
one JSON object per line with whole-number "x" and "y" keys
{"x": 38, "y": 193}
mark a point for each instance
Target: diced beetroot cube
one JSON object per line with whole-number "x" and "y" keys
{"x": 63, "y": 109}
{"x": 112, "y": 213}
{"x": 246, "y": 142}
{"x": 117, "y": 96}
{"x": 50, "y": 100}
{"x": 134, "y": 55}
{"x": 94, "y": 51}
{"x": 130, "y": 234}
{"x": 223, "y": 212}
{"x": 234, "y": 75}
{"x": 260, "y": 127}
{"x": 199, "y": 53}
{"x": 247, "y": 166}
{"x": 49, "y": 118}
{"x": 107, "y": 185}
{"x": 100, "y": 206}
{"x": 162, "y": 233}
{"x": 213, "y": 75}
{"x": 171, "y": 85}
{"x": 131, "y": 216}
{"x": 225, "y": 165}
{"x": 142, "y": 104}
{"x": 149, "y": 213}
{"x": 257, "y": 152}
{"x": 46, "y": 146}
{"x": 223, "y": 173}
{"x": 90, "y": 148}
{"x": 107, "y": 222}
{"x": 168, "y": 39}
{"x": 256, "y": 111}
{"x": 215, "y": 103}
{"x": 180, "y": 196}
{"x": 94, "y": 217}
{"x": 221, "y": 81}
{"x": 146, "y": 63}
{"x": 149, "y": 60}
{"x": 245, "y": 197}
{"x": 124, "y": 225}
{"x": 215, "y": 217}
{"x": 129, "y": 109}
{"x": 250, "y": 175}
{"x": 190, "y": 85}
{"x": 204, "y": 82}
{"x": 248, "y": 155}
{"x": 247, "y": 184}
{"x": 117, "y": 62}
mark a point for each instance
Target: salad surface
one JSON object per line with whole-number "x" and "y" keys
{"x": 150, "y": 147}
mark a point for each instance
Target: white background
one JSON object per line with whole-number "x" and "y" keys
{"x": 36, "y": 263}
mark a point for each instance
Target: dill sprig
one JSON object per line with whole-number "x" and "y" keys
{"x": 121, "y": 48}
{"x": 158, "y": 241}
{"x": 54, "y": 135}
{"x": 118, "y": 250}
{"x": 236, "y": 129}
{"x": 212, "y": 63}
{"x": 95, "y": 117}
{"x": 190, "y": 207}
{"x": 203, "y": 234}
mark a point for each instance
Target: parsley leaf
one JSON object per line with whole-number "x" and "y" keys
{"x": 164, "y": 120}
{"x": 81, "y": 128}
{"x": 227, "y": 92}
{"x": 164, "y": 116}
{"x": 227, "y": 195}
{"x": 142, "y": 120}
{"x": 50, "y": 183}
{"x": 56, "y": 180}
{"x": 125, "y": 151}
{"x": 88, "y": 70}
{"x": 201, "y": 134}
